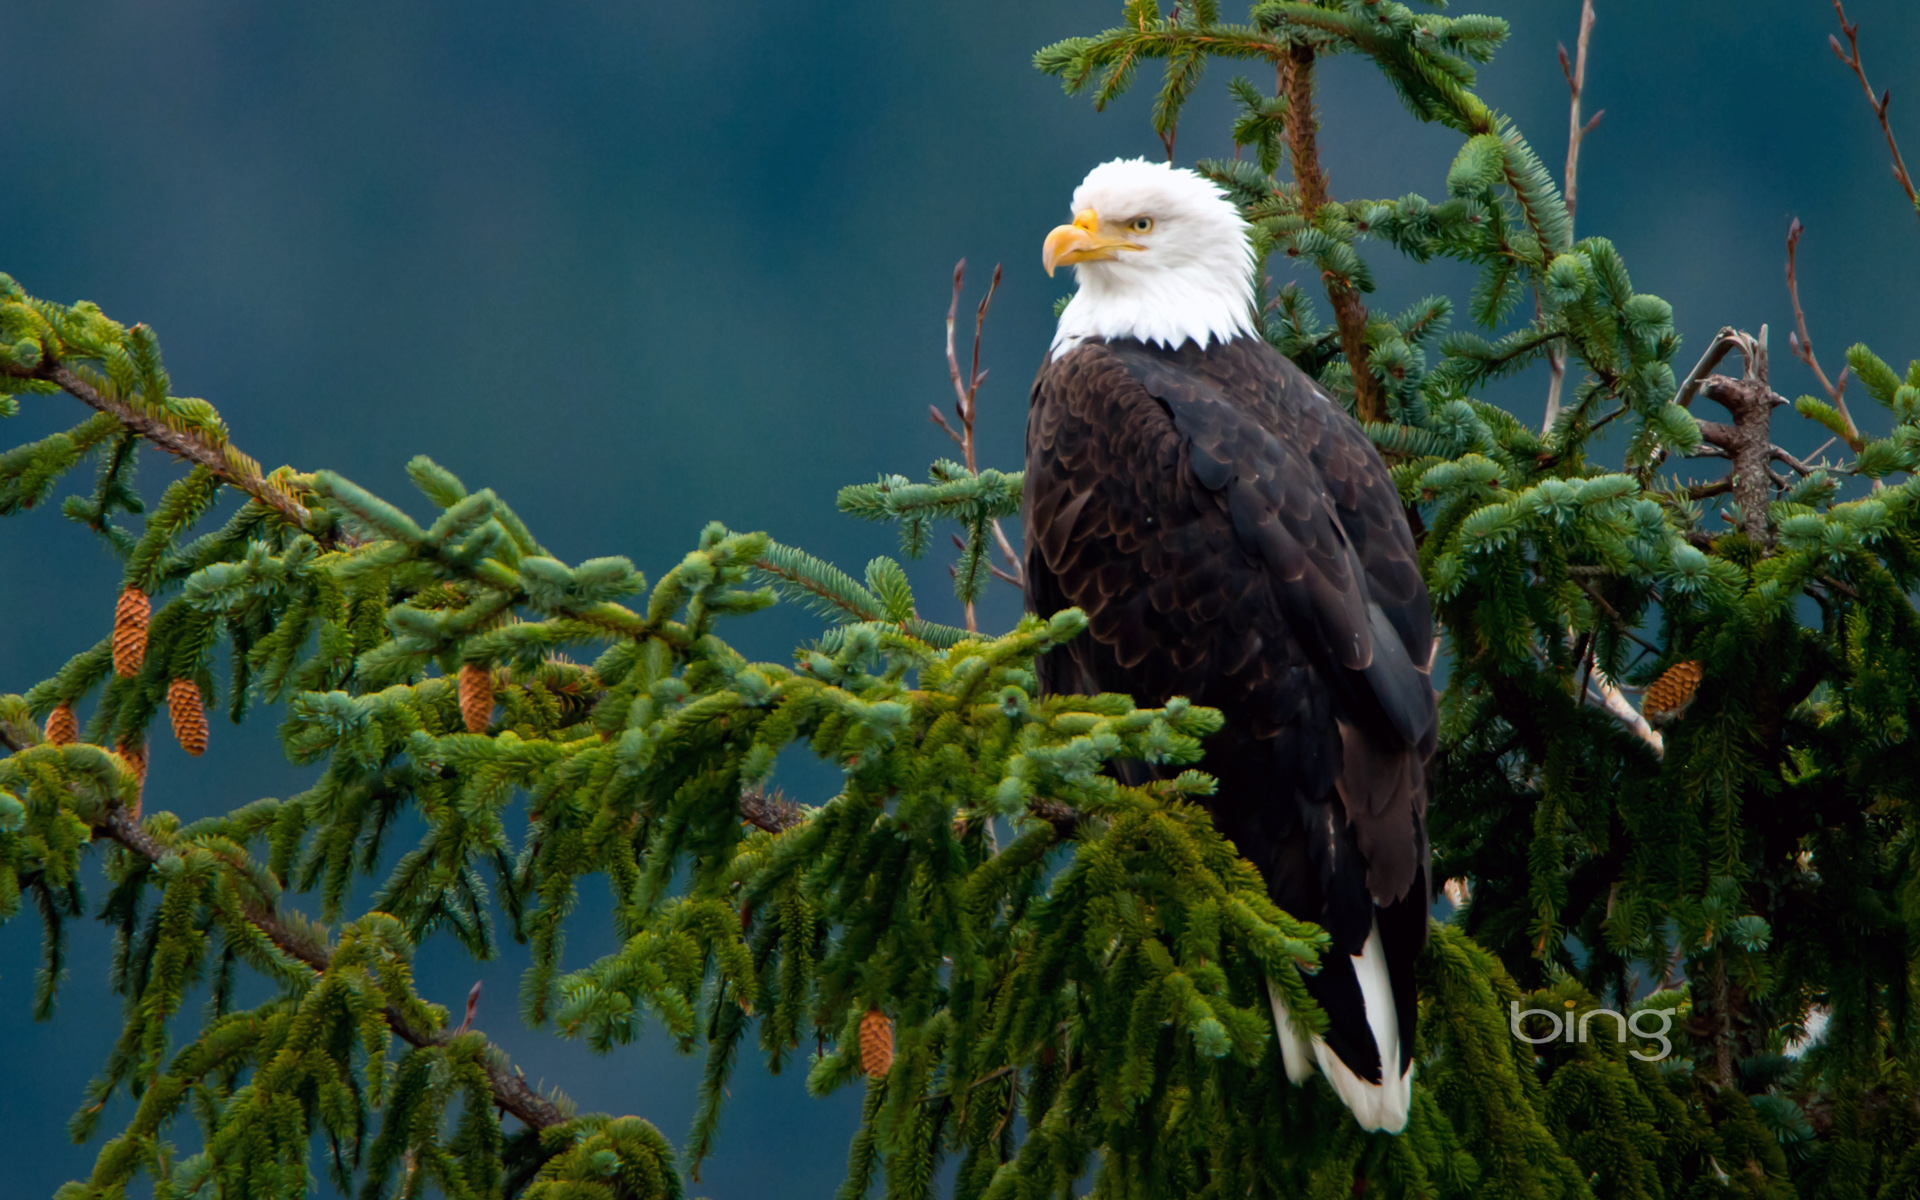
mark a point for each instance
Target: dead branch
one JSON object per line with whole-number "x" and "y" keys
{"x": 1747, "y": 441}
{"x": 1802, "y": 345}
{"x": 965, "y": 397}
{"x": 1851, "y": 57}
{"x": 1576, "y": 73}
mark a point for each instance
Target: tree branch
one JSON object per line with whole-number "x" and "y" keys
{"x": 511, "y": 1092}
{"x": 1296, "y": 79}
{"x": 226, "y": 463}
{"x": 1802, "y": 345}
{"x": 965, "y": 396}
{"x": 1576, "y": 74}
{"x": 1748, "y": 440}
{"x": 1879, "y": 103}
{"x": 1613, "y": 614}
{"x": 770, "y": 809}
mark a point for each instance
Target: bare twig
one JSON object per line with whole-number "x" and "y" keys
{"x": 1576, "y": 73}
{"x": 1296, "y": 80}
{"x": 1703, "y": 491}
{"x": 1015, "y": 573}
{"x": 1851, "y": 57}
{"x": 965, "y": 396}
{"x": 473, "y": 1010}
{"x": 1802, "y": 345}
{"x": 1798, "y": 466}
{"x": 964, "y": 393}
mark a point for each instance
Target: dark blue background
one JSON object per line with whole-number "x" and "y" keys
{"x": 639, "y": 266}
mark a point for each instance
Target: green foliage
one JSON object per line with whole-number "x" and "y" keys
{"x": 1087, "y": 1003}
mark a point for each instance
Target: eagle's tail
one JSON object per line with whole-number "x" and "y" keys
{"x": 1376, "y": 1106}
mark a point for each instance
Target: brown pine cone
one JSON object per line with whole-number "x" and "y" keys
{"x": 189, "y": 716}
{"x": 476, "y": 697}
{"x": 62, "y": 728}
{"x": 1672, "y": 692}
{"x": 130, "y": 632}
{"x": 876, "y": 1043}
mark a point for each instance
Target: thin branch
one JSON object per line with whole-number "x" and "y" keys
{"x": 1703, "y": 491}
{"x": 1798, "y": 466}
{"x": 965, "y": 393}
{"x": 933, "y": 411}
{"x": 1296, "y": 80}
{"x": 1016, "y": 572}
{"x": 1879, "y": 103}
{"x": 965, "y": 405}
{"x": 1576, "y": 73}
{"x": 1613, "y": 615}
{"x": 1802, "y": 345}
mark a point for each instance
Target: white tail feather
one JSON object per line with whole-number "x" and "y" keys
{"x": 1376, "y": 1106}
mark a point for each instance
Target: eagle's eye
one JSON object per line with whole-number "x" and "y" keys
{"x": 1141, "y": 224}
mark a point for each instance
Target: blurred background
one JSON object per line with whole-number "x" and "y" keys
{"x": 638, "y": 266}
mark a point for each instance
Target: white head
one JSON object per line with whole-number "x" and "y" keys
{"x": 1161, "y": 253}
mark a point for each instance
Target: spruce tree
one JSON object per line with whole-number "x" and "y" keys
{"x": 1044, "y": 981}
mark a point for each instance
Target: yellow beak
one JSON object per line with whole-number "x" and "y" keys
{"x": 1080, "y": 242}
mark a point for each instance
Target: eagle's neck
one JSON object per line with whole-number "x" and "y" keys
{"x": 1204, "y": 303}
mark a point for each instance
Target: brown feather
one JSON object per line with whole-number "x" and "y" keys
{"x": 1234, "y": 538}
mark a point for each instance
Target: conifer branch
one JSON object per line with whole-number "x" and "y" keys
{"x": 226, "y": 463}
{"x": 1296, "y": 81}
{"x": 511, "y": 1092}
{"x": 1851, "y": 57}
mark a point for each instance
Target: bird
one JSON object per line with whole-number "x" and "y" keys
{"x": 1233, "y": 537}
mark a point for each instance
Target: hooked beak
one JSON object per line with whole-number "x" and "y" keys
{"x": 1080, "y": 242}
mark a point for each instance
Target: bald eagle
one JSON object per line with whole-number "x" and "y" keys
{"x": 1234, "y": 538}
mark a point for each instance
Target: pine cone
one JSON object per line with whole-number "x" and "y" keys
{"x": 876, "y": 1043}
{"x": 476, "y": 697}
{"x": 62, "y": 729}
{"x": 1672, "y": 692}
{"x": 189, "y": 716}
{"x": 130, "y": 632}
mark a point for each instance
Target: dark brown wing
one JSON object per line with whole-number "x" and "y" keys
{"x": 1234, "y": 538}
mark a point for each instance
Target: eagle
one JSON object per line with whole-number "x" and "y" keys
{"x": 1233, "y": 537}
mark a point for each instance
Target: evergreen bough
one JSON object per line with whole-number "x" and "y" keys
{"x": 1086, "y": 1001}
